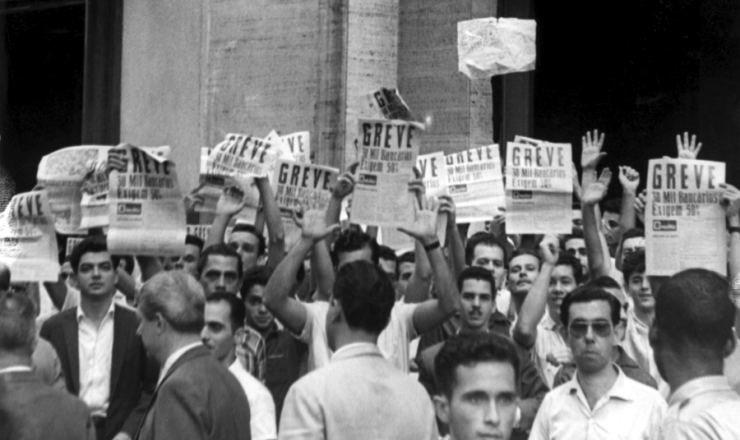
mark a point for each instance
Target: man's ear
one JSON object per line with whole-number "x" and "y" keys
{"x": 442, "y": 408}
{"x": 730, "y": 346}
{"x": 161, "y": 322}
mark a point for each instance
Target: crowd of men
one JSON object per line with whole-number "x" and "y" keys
{"x": 488, "y": 336}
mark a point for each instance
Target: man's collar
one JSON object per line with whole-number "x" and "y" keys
{"x": 620, "y": 389}
{"x": 81, "y": 314}
{"x": 700, "y": 385}
{"x": 356, "y": 349}
{"x": 174, "y": 357}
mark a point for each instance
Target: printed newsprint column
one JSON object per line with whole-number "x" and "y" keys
{"x": 684, "y": 220}
{"x": 433, "y": 173}
{"x": 147, "y": 215}
{"x": 539, "y": 188}
{"x": 61, "y": 173}
{"x": 213, "y": 182}
{"x": 298, "y": 145}
{"x": 476, "y": 183}
{"x": 495, "y": 46}
{"x": 388, "y": 151}
{"x": 301, "y": 184}
{"x": 28, "y": 244}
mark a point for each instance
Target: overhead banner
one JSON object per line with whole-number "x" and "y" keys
{"x": 388, "y": 152}
{"x": 476, "y": 183}
{"x": 684, "y": 219}
{"x": 28, "y": 244}
{"x": 147, "y": 215}
{"x": 539, "y": 188}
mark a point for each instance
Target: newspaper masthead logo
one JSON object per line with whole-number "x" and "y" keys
{"x": 129, "y": 208}
{"x": 368, "y": 179}
{"x": 665, "y": 225}
{"x": 521, "y": 195}
{"x": 457, "y": 189}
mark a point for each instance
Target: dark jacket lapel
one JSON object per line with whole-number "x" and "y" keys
{"x": 72, "y": 341}
{"x": 121, "y": 337}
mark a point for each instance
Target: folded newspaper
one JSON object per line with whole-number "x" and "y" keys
{"x": 488, "y": 47}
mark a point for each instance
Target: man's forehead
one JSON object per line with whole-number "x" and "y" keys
{"x": 634, "y": 242}
{"x": 243, "y": 237}
{"x": 222, "y": 262}
{"x": 217, "y": 311}
{"x": 563, "y": 270}
{"x": 575, "y": 243}
{"x": 191, "y": 249}
{"x": 523, "y": 260}
{"x": 590, "y": 310}
{"x": 487, "y": 376}
{"x": 488, "y": 251}
{"x": 474, "y": 285}
{"x": 95, "y": 257}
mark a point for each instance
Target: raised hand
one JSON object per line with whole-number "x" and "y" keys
{"x": 629, "y": 178}
{"x": 193, "y": 199}
{"x": 232, "y": 200}
{"x": 640, "y": 203}
{"x": 730, "y": 199}
{"x": 447, "y": 206}
{"x": 686, "y": 149}
{"x": 424, "y": 226}
{"x": 550, "y": 249}
{"x": 576, "y": 182}
{"x": 591, "y": 152}
{"x": 416, "y": 187}
{"x": 498, "y": 223}
{"x": 313, "y": 224}
{"x": 596, "y": 191}
{"x": 345, "y": 183}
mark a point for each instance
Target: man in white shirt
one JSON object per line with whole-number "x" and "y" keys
{"x": 407, "y": 320}
{"x": 600, "y": 401}
{"x": 224, "y": 318}
{"x": 691, "y": 337}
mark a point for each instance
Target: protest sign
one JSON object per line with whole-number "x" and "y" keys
{"x": 476, "y": 183}
{"x": 388, "y": 104}
{"x": 433, "y": 173}
{"x": 388, "y": 151}
{"x": 147, "y": 215}
{"x": 213, "y": 184}
{"x": 301, "y": 184}
{"x": 684, "y": 220}
{"x": 200, "y": 231}
{"x": 28, "y": 245}
{"x": 62, "y": 173}
{"x": 296, "y": 146}
{"x": 72, "y": 243}
{"x": 495, "y": 46}
{"x": 539, "y": 188}
{"x": 243, "y": 157}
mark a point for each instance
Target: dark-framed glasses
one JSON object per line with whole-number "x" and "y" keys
{"x": 579, "y": 329}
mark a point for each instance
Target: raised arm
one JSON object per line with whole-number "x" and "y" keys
{"x": 687, "y": 150}
{"x": 731, "y": 201}
{"x": 275, "y": 232}
{"x": 232, "y": 200}
{"x": 630, "y": 180}
{"x": 455, "y": 247}
{"x": 598, "y": 264}
{"x": 433, "y": 312}
{"x": 419, "y": 285}
{"x": 290, "y": 312}
{"x": 533, "y": 308}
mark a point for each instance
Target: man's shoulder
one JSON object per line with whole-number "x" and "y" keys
{"x": 642, "y": 392}
{"x": 430, "y": 353}
{"x": 42, "y": 395}
{"x": 58, "y": 318}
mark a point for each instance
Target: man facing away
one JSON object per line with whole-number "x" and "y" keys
{"x": 33, "y": 410}
{"x": 359, "y": 394}
{"x": 196, "y": 397}
{"x": 103, "y": 359}
{"x": 224, "y": 318}
{"x": 600, "y": 401}
{"x": 691, "y": 336}
{"x": 477, "y": 376}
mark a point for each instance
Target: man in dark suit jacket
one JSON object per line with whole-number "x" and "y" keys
{"x": 29, "y": 409}
{"x": 132, "y": 376}
{"x": 197, "y": 397}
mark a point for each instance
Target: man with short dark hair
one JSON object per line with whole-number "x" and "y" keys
{"x": 197, "y": 397}
{"x": 219, "y": 269}
{"x": 691, "y": 336}
{"x": 575, "y": 245}
{"x": 224, "y": 318}
{"x": 477, "y": 376}
{"x": 359, "y": 395}
{"x": 103, "y": 359}
{"x": 600, "y": 401}
{"x": 188, "y": 261}
{"x": 35, "y": 410}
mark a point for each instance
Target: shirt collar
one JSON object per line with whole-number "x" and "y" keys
{"x": 698, "y": 386}
{"x": 620, "y": 390}
{"x": 548, "y": 322}
{"x": 174, "y": 357}
{"x": 17, "y": 369}
{"x": 81, "y": 314}
{"x": 355, "y": 349}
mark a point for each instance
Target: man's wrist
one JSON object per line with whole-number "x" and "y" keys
{"x": 430, "y": 243}
{"x": 734, "y": 221}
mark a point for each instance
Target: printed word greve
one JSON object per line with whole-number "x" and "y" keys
{"x": 296, "y": 142}
{"x": 676, "y": 176}
{"x": 474, "y": 154}
{"x": 142, "y": 162}
{"x": 380, "y": 135}
{"x": 240, "y": 146}
{"x": 544, "y": 156}
{"x": 301, "y": 176}
{"x": 428, "y": 164}
{"x": 28, "y": 205}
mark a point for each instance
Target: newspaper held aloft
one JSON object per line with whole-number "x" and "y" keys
{"x": 28, "y": 245}
{"x": 147, "y": 215}
{"x": 433, "y": 173}
{"x": 684, "y": 212}
{"x": 476, "y": 183}
{"x": 301, "y": 184}
{"x": 388, "y": 151}
{"x": 212, "y": 185}
{"x": 495, "y": 46}
{"x": 243, "y": 157}
{"x": 388, "y": 104}
{"x": 539, "y": 188}
{"x": 62, "y": 173}
{"x": 297, "y": 145}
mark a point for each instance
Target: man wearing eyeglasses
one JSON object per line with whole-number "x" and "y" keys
{"x": 600, "y": 401}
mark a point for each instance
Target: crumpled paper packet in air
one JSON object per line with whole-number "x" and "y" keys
{"x": 489, "y": 46}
